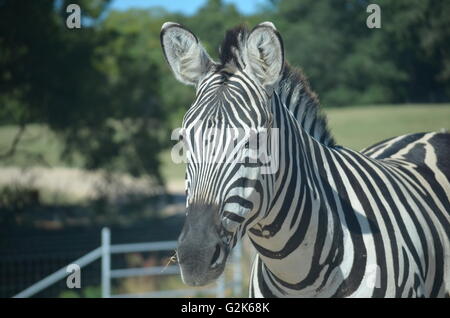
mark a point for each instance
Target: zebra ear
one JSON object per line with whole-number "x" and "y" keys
{"x": 186, "y": 56}
{"x": 265, "y": 54}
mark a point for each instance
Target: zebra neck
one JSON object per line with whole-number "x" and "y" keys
{"x": 294, "y": 93}
{"x": 300, "y": 236}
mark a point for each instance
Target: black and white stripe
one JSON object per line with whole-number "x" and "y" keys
{"x": 331, "y": 222}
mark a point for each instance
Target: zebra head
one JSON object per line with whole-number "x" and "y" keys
{"x": 222, "y": 130}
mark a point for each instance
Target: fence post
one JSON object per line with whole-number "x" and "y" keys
{"x": 106, "y": 263}
{"x": 220, "y": 289}
{"x": 237, "y": 270}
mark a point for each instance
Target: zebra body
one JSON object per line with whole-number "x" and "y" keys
{"x": 330, "y": 222}
{"x": 370, "y": 224}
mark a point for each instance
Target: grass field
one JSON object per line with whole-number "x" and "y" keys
{"x": 359, "y": 127}
{"x": 353, "y": 127}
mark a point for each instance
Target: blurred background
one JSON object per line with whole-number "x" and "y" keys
{"x": 86, "y": 116}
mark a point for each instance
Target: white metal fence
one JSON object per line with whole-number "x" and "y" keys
{"x": 105, "y": 251}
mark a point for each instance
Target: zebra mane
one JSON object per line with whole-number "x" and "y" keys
{"x": 296, "y": 94}
{"x": 232, "y": 47}
{"x": 293, "y": 87}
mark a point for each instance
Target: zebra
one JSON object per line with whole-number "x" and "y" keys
{"x": 330, "y": 221}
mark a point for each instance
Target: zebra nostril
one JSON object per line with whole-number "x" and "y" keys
{"x": 216, "y": 256}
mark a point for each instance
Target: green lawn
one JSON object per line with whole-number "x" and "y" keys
{"x": 359, "y": 127}
{"x": 353, "y": 127}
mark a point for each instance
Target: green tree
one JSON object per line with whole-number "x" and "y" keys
{"x": 97, "y": 87}
{"x": 416, "y": 35}
{"x": 347, "y": 63}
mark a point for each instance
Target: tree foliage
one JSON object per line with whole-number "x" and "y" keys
{"x": 97, "y": 87}
{"x": 349, "y": 64}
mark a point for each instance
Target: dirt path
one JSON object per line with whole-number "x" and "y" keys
{"x": 76, "y": 183}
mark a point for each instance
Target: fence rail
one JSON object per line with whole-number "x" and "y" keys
{"x": 104, "y": 253}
